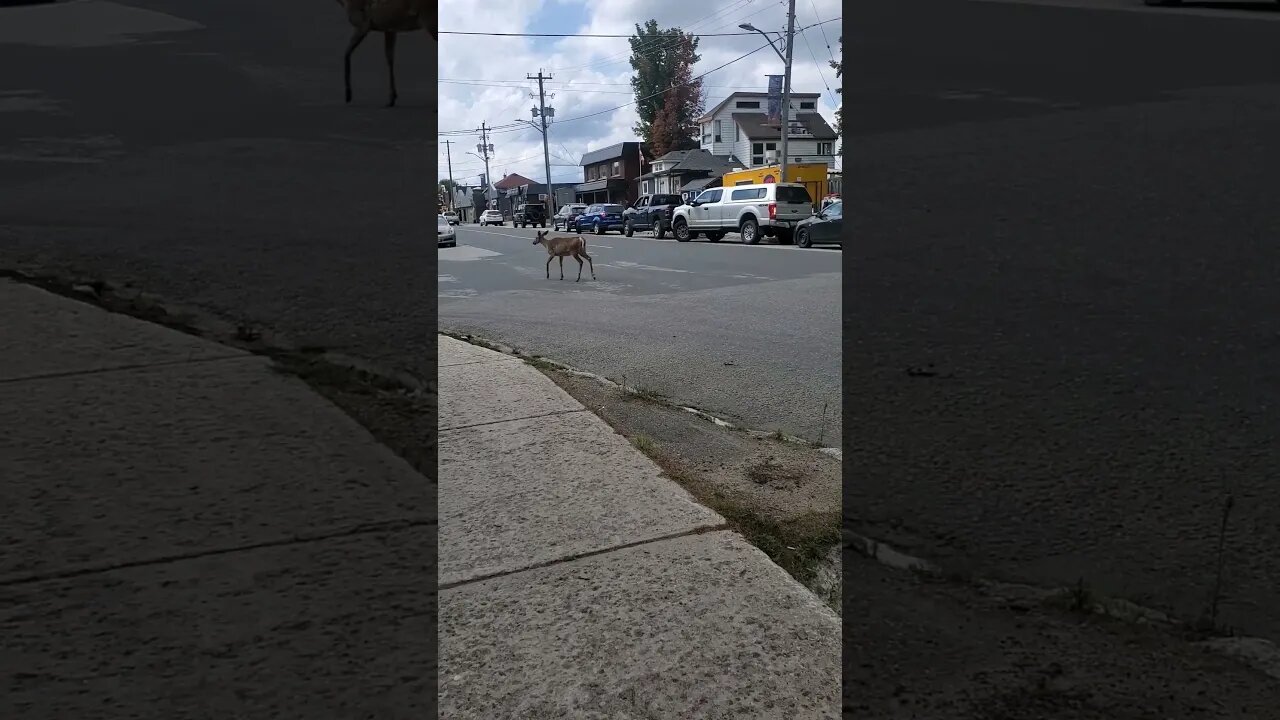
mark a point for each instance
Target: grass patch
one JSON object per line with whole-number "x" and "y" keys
{"x": 645, "y": 444}
{"x": 797, "y": 545}
{"x": 643, "y": 394}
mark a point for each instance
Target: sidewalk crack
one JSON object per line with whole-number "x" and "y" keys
{"x": 362, "y": 529}
{"x": 122, "y": 368}
{"x": 589, "y": 554}
{"x": 510, "y": 420}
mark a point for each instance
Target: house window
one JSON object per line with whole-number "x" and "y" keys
{"x": 797, "y": 159}
{"x": 737, "y": 132}
{"x": 807, "y": 105}
{"x": 824, "y": 148}
{"x": 749, "y": 104}
{"x": 719, "y": 129}
{"x": 617, "y": 168}
{"x": 706, "y": 134}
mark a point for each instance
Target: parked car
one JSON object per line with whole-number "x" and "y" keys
{"x": 565, "y": 217}
{"x": 451, "y": 216}
{"x": 823, "y": 228}
{"x": 752, "y": 211}
{"x": 650, "y": 212}
{"x": 445, "y": 234}
{"x": 490, "y": 217}
{"x": 600, "y": 218}
{"x": 530, "y": 214}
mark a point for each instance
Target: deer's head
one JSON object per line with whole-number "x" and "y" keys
{"x": 542, "y": 235}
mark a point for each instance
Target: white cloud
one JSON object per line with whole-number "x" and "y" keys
{"x": 482, "y": 78}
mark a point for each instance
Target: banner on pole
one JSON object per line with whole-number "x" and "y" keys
{"x": 775, "y": 100}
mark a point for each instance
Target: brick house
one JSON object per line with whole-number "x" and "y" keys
{"x": 609, "y": 174}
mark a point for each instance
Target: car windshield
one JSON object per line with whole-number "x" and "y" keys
{"x": 611, "y": 209}
{"x": 793, "y": 194}
{"x": 834, "y": 210}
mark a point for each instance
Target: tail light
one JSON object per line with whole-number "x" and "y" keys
{"x": 773, "y": 211}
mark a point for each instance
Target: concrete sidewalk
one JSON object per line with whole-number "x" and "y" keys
{"x": 578, "y": 582}
{"x": 187, "y": 533}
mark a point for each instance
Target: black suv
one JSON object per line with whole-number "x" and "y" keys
{"x": 531, "y": 214}
{"x": 650, "y": 212}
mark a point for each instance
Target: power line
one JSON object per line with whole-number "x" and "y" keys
{"x": 571, "y": 35}
{"x": 517, "y": 126}
{"x": 655, "y": 44}
{"x": 830, "y": 53}
{"x": 692, "y": 81}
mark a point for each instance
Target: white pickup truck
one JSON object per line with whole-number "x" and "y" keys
{"x": 752, "y": 211}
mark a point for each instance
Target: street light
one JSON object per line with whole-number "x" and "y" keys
{"x": 786, "y": 81}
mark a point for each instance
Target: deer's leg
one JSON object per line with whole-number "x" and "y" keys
{"x": 589, "y": 261}
{"x": 549, "y": 259}
{"x": 579, "y": 259}
{"x": 561, "y": 267}
{"x": 389, "y": 46}
{"x": 356, "y": 38}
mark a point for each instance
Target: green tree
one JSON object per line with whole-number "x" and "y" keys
{"x": 665, "y": 90}
{"x": 839, "y": 66}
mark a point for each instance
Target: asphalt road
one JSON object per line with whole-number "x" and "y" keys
{"x": 1072, "y": 215}
{"x": 203, "y": 152}
{"x": 749, "y": 333}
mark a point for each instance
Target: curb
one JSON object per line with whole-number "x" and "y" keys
{"x": 713, "y": 419}
{"x": 206, "y": 325}
{"x": 1258, "y": 653}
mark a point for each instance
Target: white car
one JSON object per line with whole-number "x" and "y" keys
{"x": 445, "y": 233}
{"x": 490, "y": 217}
{"x": 752, "y": 211}
{"x": 451, "y": 216}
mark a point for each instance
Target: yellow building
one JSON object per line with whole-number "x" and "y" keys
{"x": 812, "y": 175}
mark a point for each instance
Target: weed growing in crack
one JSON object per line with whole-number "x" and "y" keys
{"x": 645, "y": 444}
{"x": 1081, "y": 597}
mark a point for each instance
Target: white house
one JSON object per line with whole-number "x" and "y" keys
{"x": 738, "y": 127}
{"x": 685, "y": 172}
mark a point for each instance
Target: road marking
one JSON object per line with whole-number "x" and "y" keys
{"x": 466, "y": 253}
{"x": 638, "y": 266}
{"x": 446, "y": 278}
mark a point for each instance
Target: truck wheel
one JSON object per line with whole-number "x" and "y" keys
{"x": 660, "y": 230}
{"x": 784, "y": 237}
{"x": 681, "y": 230}
{"x": 629, "y": 230}
{"x": 750, "y": 231}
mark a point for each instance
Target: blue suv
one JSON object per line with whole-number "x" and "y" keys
{"x": 600, "y": 218}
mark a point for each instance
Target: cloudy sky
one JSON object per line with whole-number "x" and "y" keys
{"x": 482, "y": 78}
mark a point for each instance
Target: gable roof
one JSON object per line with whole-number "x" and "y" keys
{"x": 753, "y": 96}
{"x": 695, "y": 161}
{"x": 616, "y": 150}
{"x": 511, "y": 181}
{"x": 756, "y": 126}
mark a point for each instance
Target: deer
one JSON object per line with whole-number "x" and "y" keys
{"x": 559, "y": 247}
{"x": 388, "y": 17}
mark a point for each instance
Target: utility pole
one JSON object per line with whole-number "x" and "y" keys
{"x": 786, "y": 89}
{"x": 541, "y": 112}
{"x": 449, "y": 158}
{"x": 485, "y": 148}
